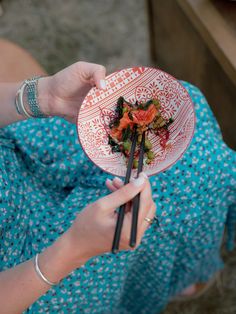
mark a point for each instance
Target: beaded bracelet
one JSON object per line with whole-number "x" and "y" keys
{"x": 32, "y": 98}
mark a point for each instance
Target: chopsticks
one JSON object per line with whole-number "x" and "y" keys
{"x": 136, "y": 200}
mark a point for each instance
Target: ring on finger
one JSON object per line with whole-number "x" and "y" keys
{"x": 149, "y": 220}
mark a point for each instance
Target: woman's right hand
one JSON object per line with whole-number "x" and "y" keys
{"x": 91, "y": 234}
{"x": 93, "y": 230}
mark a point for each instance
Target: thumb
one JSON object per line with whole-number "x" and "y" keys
{"x": 123, "y": 195}
{"x": 99, "y": 77}
{"x": 95, "y": 73}
{"x": 91, "y": 73}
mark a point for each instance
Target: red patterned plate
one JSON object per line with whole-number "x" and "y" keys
{"x": 141, "y": 84}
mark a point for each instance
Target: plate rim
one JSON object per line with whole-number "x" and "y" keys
{"x": 190, "y": 139}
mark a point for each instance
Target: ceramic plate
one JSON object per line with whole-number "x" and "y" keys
{"x": 141, "y": 84}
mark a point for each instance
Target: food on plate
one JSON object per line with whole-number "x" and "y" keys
{"x": 144, "y": 117}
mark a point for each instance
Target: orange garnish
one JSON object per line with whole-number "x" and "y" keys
{"x": 144, "y": 117}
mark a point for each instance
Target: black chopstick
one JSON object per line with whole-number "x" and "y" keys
{"x": 121, "y": 212}
{"x": 136, "y": 200}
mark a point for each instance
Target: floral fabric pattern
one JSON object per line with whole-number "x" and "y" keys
{"x": 46, "y": 179}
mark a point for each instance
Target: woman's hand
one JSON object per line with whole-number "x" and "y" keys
{"x": 58, "y": 95}
{"x": 91, "y": 234}
{"x": 93, "y": 230}
{"x": 63, "y": 93}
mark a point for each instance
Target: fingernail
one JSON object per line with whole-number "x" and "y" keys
{"x": 118, "y": 180}
{"x": 132, "y": 179}
{"x": 103, "y": 84}
{"x": 108, "y": 181}
{"x": 139, "y": 181}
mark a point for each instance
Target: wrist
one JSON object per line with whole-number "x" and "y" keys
{"x": 73, "y": 249}
{"x": 58, "y": 261}
{"x": 45, "y": 98}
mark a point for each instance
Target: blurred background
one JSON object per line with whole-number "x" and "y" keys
{"x": 194, "y": 40}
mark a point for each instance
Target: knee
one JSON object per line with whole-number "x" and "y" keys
{"x": 7, "y": 46}
{"x": 16, "y": 63}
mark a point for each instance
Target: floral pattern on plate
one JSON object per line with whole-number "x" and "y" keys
{"x": 141, "y": 84}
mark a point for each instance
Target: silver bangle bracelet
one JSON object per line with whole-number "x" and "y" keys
{"x": 19, "y": 102}
{"x": 40, "y": 274}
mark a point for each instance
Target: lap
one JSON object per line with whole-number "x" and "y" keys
{"x": 191, "y": 195}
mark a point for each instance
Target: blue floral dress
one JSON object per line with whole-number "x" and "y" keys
{"x": 46, "y": 179}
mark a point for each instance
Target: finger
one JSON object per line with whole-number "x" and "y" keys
{"x": 145, "y": 207}
{"x": 99, "y": 78}
{"x": 122, "y": 195}
{"x": 145, "y": 224}
{"x": 92, "y": 83}
{"x": 117, "y": 183}
{"x": 110, "y": 186}
{"x": 145, "y": 202}
{"x": 93, "y": 73}
{"x": 126, "y": 229}
{"x": 142, "y": 227}
{"x": 97, "y": 75}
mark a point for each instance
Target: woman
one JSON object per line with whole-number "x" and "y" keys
{"x": 49, "y": 192}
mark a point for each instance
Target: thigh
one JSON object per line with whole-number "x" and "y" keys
{"x": 16, "y": 64}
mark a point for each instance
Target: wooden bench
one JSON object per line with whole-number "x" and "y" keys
{"x": 195, "y": 40}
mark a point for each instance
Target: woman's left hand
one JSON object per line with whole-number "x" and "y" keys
{"x": 63, "y": 93}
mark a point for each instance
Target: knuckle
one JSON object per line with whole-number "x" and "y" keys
{"x": 125, "y": 240}
{"x": 148, "y": 205}
{"x": 151, "y": 204}
{"x": 80, "y": 63}
{"x": 101, "y": 68}
{"x": 154, "y": 206}
{"x": 127, "y": 192}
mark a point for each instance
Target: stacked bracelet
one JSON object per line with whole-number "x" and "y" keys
{"x": 32, "y": 98}
{"x": 40, "y": 274}
{"x": 19, "y": 102}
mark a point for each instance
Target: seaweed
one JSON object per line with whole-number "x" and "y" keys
{"x": 126, "y": 133}
{"x": 145, "y": 106}
{"x": 114, "y": 123}
{"x": 171, "y": 120}
{"x": 119, "y": 107}
{"x": 115, "y": 147}
{"x": 130, "y": 116}
{"x": 111, "y": 141}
